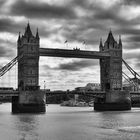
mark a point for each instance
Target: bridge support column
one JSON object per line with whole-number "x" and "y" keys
{"x": 114, "y": 101}
{"x": 111, "y": 78}
{"x": 29, "y": 102}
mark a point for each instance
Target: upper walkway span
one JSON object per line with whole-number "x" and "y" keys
{"x": 76, "y": 53}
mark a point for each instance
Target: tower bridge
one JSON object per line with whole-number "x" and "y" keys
{"x": 31, "y": 99}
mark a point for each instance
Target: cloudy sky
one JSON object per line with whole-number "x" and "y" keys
{"x": 75, "y": 21}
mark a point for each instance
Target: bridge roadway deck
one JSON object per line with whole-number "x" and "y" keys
{"x": 92, "y": 93}
{"x": 72, "y": 53}
{"x": 9, "y": 93}
{"x": 76, "y": 92}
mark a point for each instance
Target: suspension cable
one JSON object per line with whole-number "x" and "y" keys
{"x": 8, "y": 66}
{"x": 136, "y": 79}
{"x": 129, "y": 79}
{"x": 130, "y": 69}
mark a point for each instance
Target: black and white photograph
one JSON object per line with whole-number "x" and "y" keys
{"x": 69, "y": 70}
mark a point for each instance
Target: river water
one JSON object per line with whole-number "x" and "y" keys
{"x": 69, "y": 123}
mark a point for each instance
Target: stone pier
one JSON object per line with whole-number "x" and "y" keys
{"x": 29, "y": 102}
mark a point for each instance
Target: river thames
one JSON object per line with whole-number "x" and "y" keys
{"x": 69, "y": 123}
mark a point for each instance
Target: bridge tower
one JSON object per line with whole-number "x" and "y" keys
{"x": 111, "y": 69}
{"x": 31, "y": 98}
{"x": 111, "y": 77}
{"x": 28, "y": 67}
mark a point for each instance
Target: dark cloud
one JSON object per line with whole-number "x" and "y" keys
{"x": 91, "y": 28}
{"x": 72, "y": 66}
{"x": 81, "y": 3}
{"x": 138, "y": 65}
{"x": 9, "y": 25}
{"x": 7, "y": 49}
{"x": 131, "y": 45}
{"x": 100, "y": 19}
{"x": 83, "y": 29}
{"x": 107, "y": 14}
{"x": 112, "y": 18}
{"x": 131, "y": 56}
{"x": 8, "y": 44}
{"x": 6, "y": 24}
{"x": 77, "y": 65}
{"x": 6, "y": 52}
{"x": 78, "y": 36}
{"x": 134, "y": 38}
{"x": 128, "y": 30}
{"x": 132, "y": 2}
{"x": 76, "y": 29}
{"x": 2, "y": 2}
{"x": 41, "y": 10}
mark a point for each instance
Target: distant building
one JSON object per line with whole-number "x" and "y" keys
{"x": 127, "y": 86}
{"x": 89, "y": 87}
{"x": 46, "y": 90}
{"x": 93, "y": 86}
{"x": 81, "y": 89}
{"x": 133, "y": 85}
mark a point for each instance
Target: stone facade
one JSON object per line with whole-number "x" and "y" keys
{"x": 111, "y": 68}
{"x": 28, "y": 66}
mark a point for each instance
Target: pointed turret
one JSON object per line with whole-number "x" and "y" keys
{"x": 110, "y": 37}
{"x": 101, "y": 45}
{"x": 120, "y": 41}
{"x": 101, "y": 42}
{"x": 28, "y": 32}
{"x": 37, "y": 34}
{"x": 19, "y": 38}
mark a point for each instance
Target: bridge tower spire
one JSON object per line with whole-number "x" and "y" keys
{"x": 18, "y": 37}
{"x": 28, "y": 32}
{"x": 120, "y": 41}
{"x": 101, "y": 45}
{"x": 37, "y": 34}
